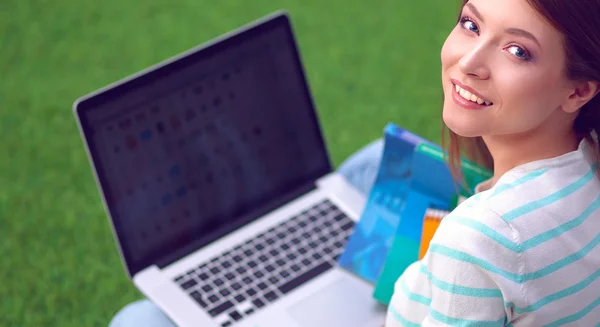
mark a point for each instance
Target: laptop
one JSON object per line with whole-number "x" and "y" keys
{"x": 214, "y": 174}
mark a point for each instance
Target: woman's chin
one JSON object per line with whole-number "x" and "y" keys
{"x": 461, "y": 127}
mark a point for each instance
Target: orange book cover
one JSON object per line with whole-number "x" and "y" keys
{"x": 431, "y": 221}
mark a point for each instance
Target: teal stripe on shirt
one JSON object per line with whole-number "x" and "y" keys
{"x": 439, "y": 316}
{"x": 559, "y": 295}
{"x": 485, "y": 230}
{"x": 532, "y": 242}
{"x": 496, "y": 293}
{"x": 401, "y": 319}
{"x": 575, "y": 316}
{"x": 517, "y": 278}
{"x": 465, "y": 322}
{"x": 529, "y": 177}
{"x": 414, "y": 296}
{"x": 460, "y": 290}
{"x": 557, "y": 196}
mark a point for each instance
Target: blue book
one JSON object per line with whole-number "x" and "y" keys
{"x": 431, "y": 186}
{"x": 368, "y": 246}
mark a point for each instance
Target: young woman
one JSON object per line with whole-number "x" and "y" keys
{"x": 520, "y": 79}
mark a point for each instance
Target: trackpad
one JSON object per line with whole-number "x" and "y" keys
{"x": 340, "y": 304}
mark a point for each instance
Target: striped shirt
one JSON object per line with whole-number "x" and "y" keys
{"x": 523, "y": 253}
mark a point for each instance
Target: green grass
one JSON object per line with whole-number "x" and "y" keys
{"x": 368, "y": 64}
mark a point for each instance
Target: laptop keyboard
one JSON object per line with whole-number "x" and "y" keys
{"x": 243, "y": 280}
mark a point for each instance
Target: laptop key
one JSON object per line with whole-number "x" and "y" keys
{"x": 221, "y": 308}
{"x": 305, "y": 277}
{"x": 203, "y": 276}
{"x": 226, "y": 324}
{"x": 240, "y": 270}
{"x": 235, "y": 315}
{"x": 226, "y": 264}
{"x": 251, "y": 292}
{"x": 240, "y": 298}
{"x": 218, "y": 282}
{"x": 271, "y": 296}
{"x": 225, "y": 292}
{"x": 247, "y": 280}
{"x": 198, "y": 297}
{"x": 348, "y": 226}
{"x": 207, "y": 288}
{"x": 190, "y": 283}
{"x": 215, "y": 270}
{"x": 339, "y": 217}
{"x": 230, "y": 276}
{"x": 252, "y": 264}
{"x": 213, "y": 298}
{"x": 262, "y": 286}
{"x": 258, "y": 303}
{"x": 236, "y": 286}
{"x": 273, "y": 280}
{"x": 284, "y": 274}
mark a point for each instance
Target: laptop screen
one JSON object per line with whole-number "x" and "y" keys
{"x": 194, "y": 149}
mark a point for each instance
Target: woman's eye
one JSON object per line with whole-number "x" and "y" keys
{"x": 519, "y": 52}
{"x": 469, "y": 25}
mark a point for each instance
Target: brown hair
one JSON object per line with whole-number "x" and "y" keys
{"x": 579, "y": 24}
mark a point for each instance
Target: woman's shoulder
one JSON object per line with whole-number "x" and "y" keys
{"x": 473, "y": 222}
{"x": 474, "y": 237}
{"x": 559, "y": 191}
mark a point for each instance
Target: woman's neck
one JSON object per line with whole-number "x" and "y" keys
{"x": 510, "y": 151}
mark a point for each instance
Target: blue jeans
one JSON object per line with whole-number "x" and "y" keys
{"x": 360, "y": 169}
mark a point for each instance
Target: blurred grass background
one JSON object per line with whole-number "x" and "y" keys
{"x": 368, "y": 63}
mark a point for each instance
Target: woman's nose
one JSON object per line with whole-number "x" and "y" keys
{"x": 474, "y": 62}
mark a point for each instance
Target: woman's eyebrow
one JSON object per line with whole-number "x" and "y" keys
{"x": 475, "y": 11}
{"x": 513, "y": 31}
{"x": 523, "y": 33}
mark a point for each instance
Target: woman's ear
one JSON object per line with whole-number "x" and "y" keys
{"x": 581, "y": 94}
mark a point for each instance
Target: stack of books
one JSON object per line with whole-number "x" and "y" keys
{"x": 413, "y": 191}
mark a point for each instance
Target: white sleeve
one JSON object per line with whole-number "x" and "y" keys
{"x": 463, "y": 277}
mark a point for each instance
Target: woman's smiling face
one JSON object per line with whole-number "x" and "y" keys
{"x": 510, "y": 64}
